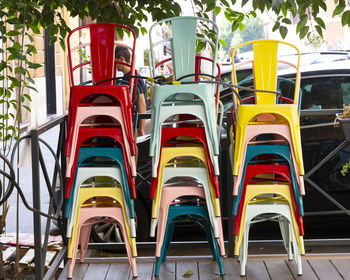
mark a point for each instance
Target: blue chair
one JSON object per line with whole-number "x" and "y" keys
{"x": 86, "y": 153}
{"x": 195, "y": 213}
{"x": 280, "y": 150}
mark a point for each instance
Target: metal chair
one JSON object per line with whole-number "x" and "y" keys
{"x": 85, "y": 173}
{"x": 265, "y": 81}
{"x": 85, "y": 221}
{"x": 184, "y": 33}
{"x": 195, "y": 213}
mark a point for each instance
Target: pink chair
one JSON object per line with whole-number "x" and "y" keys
{"x": 82, "y": 114}
{"x": 85, "y": 221}
{"x": 169, "y": 194}
{"x": 282, "y": 130}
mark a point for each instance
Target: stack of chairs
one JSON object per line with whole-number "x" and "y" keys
{"x": 100, "y": 147}
{"x": 184, "y": 143}
{"x": 266, "y": 150}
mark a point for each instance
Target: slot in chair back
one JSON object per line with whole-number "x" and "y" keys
{"x": 183, "y": 42}
{"x": 265, "y": 64}
{"x": 95, "y": 47}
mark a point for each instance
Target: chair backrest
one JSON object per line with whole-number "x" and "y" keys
{"x": 265, "y": 63}
{"x": 91, "y": 48}
{"x": 197, "y": 69}
{"x": 186, "y": 33}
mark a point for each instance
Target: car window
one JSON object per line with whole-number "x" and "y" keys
{"x": 325, "y": 92}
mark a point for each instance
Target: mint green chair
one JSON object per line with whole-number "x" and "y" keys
{"x": 185, "y": 37}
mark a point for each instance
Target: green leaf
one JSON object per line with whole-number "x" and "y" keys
{"x": 30, "y": 80}
{"x": 15, "y": 82}
{"x": 276, "y": 5}
{"x": 301, "y": 23}
{"x": 345, "y": 19}
{"x": 320, "y": 22}
{"x": 303, "y": 31}
{"x": 283, "y": 31}
{"x": 33, "y": 65}
{"x": 35, "y": 28}
{"x": 262, "y": 5}
{"x": 241, "y": 26}
{"x": 284, "y": 9}
{"x": 143, "y": 30}
{"x": 26, "y": 107}
{"x": 222, "y": 42}
{"x": 253, "y": 13}
{"x": 20, "y": 70}
{"x": 338, "y": 10}
{"x": 188, "y": 274}
{"x": 217, "y": 10}
{"x": 13, "y": 33}
{"x": 225, "y": 3}
{"x": 32, "y": 88}
{"x": 244, "y": 2}
{"x": 27, "y": 96}
{"x": 3, "y": 65}
{"x": 319, "y": 30}
{"x": 276, "y": 26}
{"x": 323, "y": 5}
{"x": 286, "y": 21}
{"x": 62, "y": 44}
{"x": 200, "y": 46}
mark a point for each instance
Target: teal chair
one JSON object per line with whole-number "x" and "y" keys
{"x": 198, "y": 214}
{"x": 116, "y": 154}
{"x": 282, "y": 151}
{"x": 86, "y": 154}
{"x": 183, "y": 41}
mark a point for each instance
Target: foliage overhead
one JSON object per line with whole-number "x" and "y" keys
{"x": 36, "y": 13}
{"x": 253, "y": 30}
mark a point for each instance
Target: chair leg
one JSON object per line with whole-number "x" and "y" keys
{"x": 285, "y": 232}
{"x": 243, "y": 254}
{"x": 74, "y": 253}
{"x": 84, "y": 240}
{"x": 215, "y": 249}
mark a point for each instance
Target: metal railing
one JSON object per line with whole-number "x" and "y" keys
{"x": 54, "y": 185}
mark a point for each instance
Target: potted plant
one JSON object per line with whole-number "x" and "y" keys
{"x": 344, "y": 120}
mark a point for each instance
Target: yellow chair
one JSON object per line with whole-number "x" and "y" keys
{"x": 265, "y": 64}
{"x": 169, "y": 153}
{"x": 88, "y": 193}
{"x": 254, "y": 190}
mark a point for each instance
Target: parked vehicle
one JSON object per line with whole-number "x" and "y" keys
{"x": 325, "y": 88}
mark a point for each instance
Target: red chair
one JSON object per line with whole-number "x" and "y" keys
{"x": 86, "y": 133}
{"x": 256, "y": 169}
{"x": 103, "y": 70}
{"x": 198, "y": 133}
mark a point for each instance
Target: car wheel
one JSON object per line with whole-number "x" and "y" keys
{"x": 111, "y": 233}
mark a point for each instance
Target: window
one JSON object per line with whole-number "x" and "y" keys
{"x": 325, "y": 92}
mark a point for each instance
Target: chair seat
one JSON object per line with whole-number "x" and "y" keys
{"x": 83, "y": 229}
{"x": 111, "y": 153}
{"x": 254, "y": 210}
{"x": 87, "y": 193}
{"x": 85, "y": 173}
{"x": 254, "y": 190}
{"x": 280, "y": 130}
{"x": 192, "y": 212}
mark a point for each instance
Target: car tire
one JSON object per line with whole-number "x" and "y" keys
{"x": 142, "y": 219}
